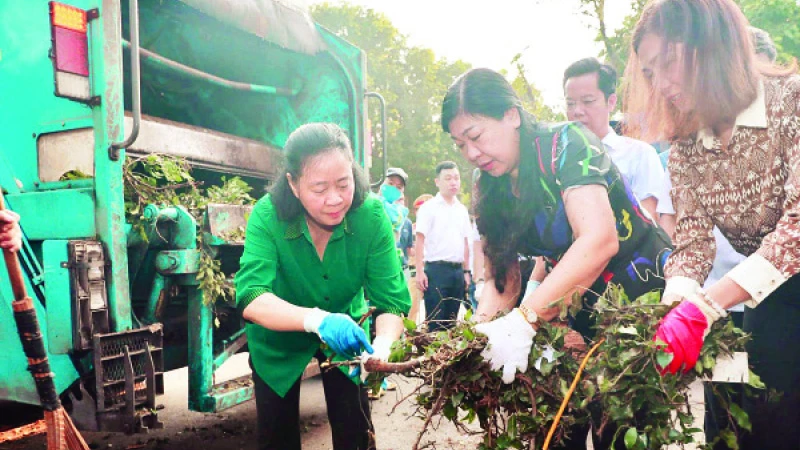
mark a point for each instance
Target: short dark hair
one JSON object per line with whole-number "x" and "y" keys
{"x": 606, "y": 75}
{"x": 444, "y": 165}
{"x": 310, "y": 140}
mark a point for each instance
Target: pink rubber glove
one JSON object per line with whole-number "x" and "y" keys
{"x": 683, "y": 329}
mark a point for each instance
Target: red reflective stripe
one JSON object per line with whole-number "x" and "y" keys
{"x": 71, "y": 50}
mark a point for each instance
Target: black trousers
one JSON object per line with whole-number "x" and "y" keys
{"x": 774, "y": 355}
{"x": 444, "y": 295}
{"x": 278, "y": 426}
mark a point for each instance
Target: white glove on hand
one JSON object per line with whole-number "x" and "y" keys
{"x": 478, "y": 290}
{"x": 510, "y": 342}
{"x": 382, "y": 347}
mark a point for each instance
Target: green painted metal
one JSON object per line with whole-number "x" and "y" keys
{"x": 181, "y": 222}
{"x": 201, "y": 355}
{"x": 324, "y": 94}
{"x": 84, "y": 183}
{"x": 166, "y": 63}
{"x": 16, "y": 383}
{"x": 57, "y": 293}
{"x": 278, "y": 87}
{"x": 157, "y": 294}
{"x": 72, "y": 209}
{"x": 230, "y": 347}
{"x": 352, "y": 62}
{"x": 178, "y": 262}
{"x": 106, "y": 56}
{"x": 228, "y": 397}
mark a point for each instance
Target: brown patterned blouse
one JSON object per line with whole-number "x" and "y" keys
{"x": 750, "y": 191}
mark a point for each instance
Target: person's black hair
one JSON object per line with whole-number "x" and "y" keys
{"x": 305, "y": 142}
{"x": 445, "y": 165}
{"x": 606, "y": 75}
{"x": 503, "y": 219}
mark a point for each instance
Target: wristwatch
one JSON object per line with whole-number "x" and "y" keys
{"x": 528, "y": 314}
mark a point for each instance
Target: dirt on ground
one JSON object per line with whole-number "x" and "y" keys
{"x": 234, "y": 429}
{"x": 396, "y": 424}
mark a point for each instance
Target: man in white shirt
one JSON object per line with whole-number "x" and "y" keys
{"x": 443, "y": 230}
{"x": 590, "y": 90}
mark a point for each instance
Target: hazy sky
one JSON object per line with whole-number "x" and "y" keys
{"x": 488, "y": 33}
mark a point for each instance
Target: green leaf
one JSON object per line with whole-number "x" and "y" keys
{"x": 457, "y": 398}
{"x": 742, "y": 419}
{"x": 698, "y": 367}
{"x": 755, "y": 381}
{"x": 729, "y": 437}
{"x": 450, "y": 411}
{"x": 663, "y": 359}
{"x": 409, "y": 324}
{"x": 512, "y": 427}
{"x": 708, "y": 361}
{"x": 469, "y": 334}
{"x": 650, "y": 298}
{"x": 631, "y": 437}
{"x": 628, "y": 330}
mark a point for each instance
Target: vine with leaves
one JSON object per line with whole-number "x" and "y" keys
{"x": 165, "y": 180}
{"x": 621, "y": 385}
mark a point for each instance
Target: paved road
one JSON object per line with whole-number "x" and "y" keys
{"x": 234, "y": 429}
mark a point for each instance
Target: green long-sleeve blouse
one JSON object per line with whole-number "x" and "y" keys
{"x": 279, "y": 257}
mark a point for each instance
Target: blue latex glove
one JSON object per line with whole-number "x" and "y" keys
{"x": 339, "y": 331}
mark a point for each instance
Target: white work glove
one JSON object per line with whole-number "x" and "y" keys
{"x": 478, "y": 290}
{"x": 382, "y": 347}
{"x": 509, "y": 346}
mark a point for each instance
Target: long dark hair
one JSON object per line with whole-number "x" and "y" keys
{"x": 503, "y": 219}
{"x": 307, "y": 141}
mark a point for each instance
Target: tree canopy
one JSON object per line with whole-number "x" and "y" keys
{"x": 413, "y": 80}
{"x": 779, "y": 18}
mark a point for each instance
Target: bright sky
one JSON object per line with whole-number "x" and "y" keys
{"x": 488, "y": 33}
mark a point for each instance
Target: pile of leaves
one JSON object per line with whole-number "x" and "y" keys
{"x": 165, "y": 180}
{"x": 621, "y": 384}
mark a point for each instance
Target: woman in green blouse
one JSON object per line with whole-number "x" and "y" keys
{"x": 315, "y": 245}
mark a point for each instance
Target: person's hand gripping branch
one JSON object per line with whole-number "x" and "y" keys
{"x": 510, "y": 342}
{"x": 685, "y": 327}
{"x": 339, "y": 331}
{"x": 383, "y": 349}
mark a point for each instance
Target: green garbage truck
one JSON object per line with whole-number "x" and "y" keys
{"x": 85, "y": 84}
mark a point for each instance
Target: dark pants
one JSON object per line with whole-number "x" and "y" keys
{"x": 348, "y": 413}
{"x": 774, "y": 355}
{"x": 444, "y": 295}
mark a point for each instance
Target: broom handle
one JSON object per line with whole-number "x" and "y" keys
{"x": 30, "y": 332}
{"x": 12, "y": 264}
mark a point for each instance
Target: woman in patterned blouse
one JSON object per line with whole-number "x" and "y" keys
{"x": 734, "y": 124}
{"x": 552, "y": 191}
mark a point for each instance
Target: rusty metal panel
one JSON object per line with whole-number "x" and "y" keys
{"x": 206, "y": 148}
